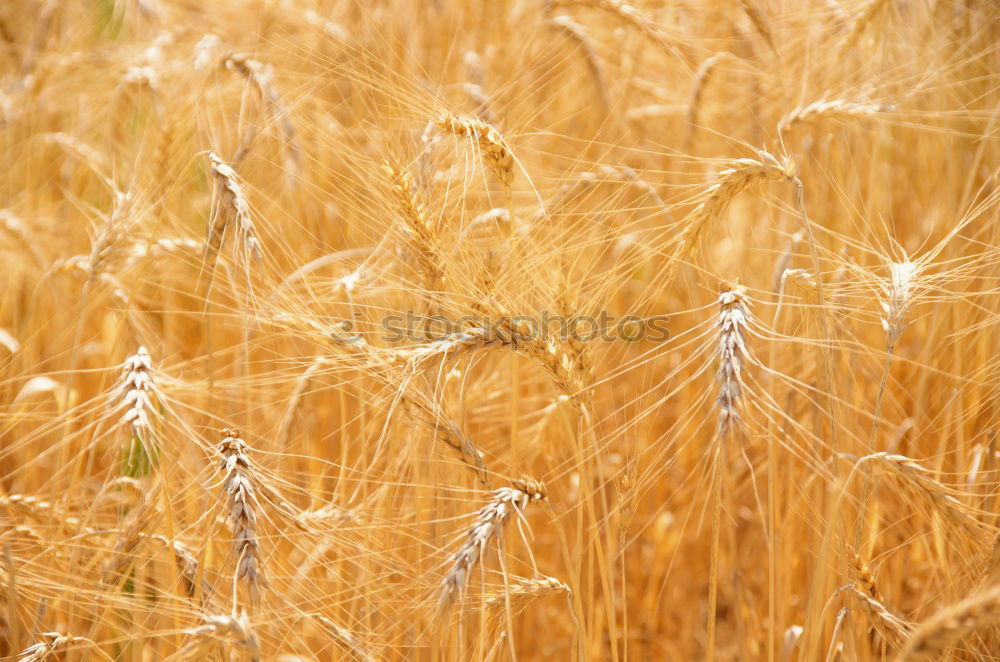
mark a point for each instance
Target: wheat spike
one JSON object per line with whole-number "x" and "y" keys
{"x": 239, "y": 494}
{"x": 889, "y": 626}
{"x": 345, "y": 638}
{"x": 527, "y": 589}
{"x": 836, "y": 109}
{"x": 731, "y": 353}
{"x": 137, "y": 386}
{"x": 728, "y": 184}
{"x": 490, "y": 522}
{"x": 937, "y": 494}
{"x": 236, "y": 631}
{"x": 945, "y": 628}
{"x": 897, "y": 296}
{"x": 232, "y": 198}
{"x": 422, "y": 230}
{"x": 53, "y": 643}
{"x": 629, "y": 14}
{"x": 492, "y": 145}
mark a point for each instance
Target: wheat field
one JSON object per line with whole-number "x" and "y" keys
{"x": 509, "y": 330}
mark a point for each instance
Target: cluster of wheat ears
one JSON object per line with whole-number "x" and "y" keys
{"x": 700, "y": 355}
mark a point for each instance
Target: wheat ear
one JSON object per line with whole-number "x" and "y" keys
{"x": 526, "y": 590}
{"x": 490, "y": 523}
{"x": 701, "y": 78}
{"x": 889, "y": 626}
{"x": 261, "y": 78}
{"x": 235, "y": 631}
{"x": 421, "y": 230}
{"x": 728, "y": 184}
{"x": 233, "y": 199}
{"x": 945, "y": 628}
{"x": 731, "y": 352}
{"x": 494, "y": 149}
{"x": 52, "y": 644}
{"x": 865, "y": 16}
{"x": 629, "y": 14}
{"x": 239, "y": 496}
{"x": 937, "y": 494}
{"x": 137, "y": 385}
{"x": 836, "y": 108}
{"x": 344, "y": 637}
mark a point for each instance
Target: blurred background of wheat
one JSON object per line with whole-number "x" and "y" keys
{"x": 210, "y": 447}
